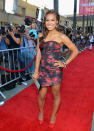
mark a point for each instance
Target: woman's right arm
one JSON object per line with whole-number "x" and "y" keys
{"x": 38, "y": 58}
{"x": 37, "y": 62}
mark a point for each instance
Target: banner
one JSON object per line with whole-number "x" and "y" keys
{"x": 15, "y": 5}
{"x": 86, "y": 7}
{"x": 8, "y": 6}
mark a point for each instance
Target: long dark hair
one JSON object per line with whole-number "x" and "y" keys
{"x": 45, "y": 30}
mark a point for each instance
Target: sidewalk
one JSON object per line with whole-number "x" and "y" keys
{"x": 12, "y": 92}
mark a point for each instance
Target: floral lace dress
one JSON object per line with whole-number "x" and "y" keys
{"x": 49, "y": 74}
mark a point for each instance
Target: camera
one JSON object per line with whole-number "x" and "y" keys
{"x": 22, "y": 29}
{"x": 2, "y": 31}
{"x": 32, "y": 34}
{"x": 10, "y": 28}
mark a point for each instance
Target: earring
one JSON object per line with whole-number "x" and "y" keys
{"x": 57, "y": 25}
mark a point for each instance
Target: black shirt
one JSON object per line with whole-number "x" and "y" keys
{"x": 13, "y": 43}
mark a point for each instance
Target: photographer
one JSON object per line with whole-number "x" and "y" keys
{"x": 13, "y": 39}
{"x": 3, "y": 54}
{"x": 3, "y": 39}
{"x": 26, "y": 56}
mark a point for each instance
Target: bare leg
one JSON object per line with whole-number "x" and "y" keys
{"x": 57, "y": 99}
{"x": 41, "y": 101}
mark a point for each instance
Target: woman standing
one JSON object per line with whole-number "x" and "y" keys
{"x": 33, "y": 33}
{"x": 48, "y": 67}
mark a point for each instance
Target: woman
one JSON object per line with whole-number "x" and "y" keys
{"x": 33, "y": 32}
{"x": 48, "y": 67}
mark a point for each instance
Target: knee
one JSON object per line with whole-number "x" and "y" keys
{"x": 42, "y": 97}
{"x": 56, "y": 94}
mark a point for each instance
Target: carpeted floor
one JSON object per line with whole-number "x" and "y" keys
{"x": 76, "y": 110}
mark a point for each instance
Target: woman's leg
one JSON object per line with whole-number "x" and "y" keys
{"x": 57, "y": 99}
{"x": 41, "y": 101}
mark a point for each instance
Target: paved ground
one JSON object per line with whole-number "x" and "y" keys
{"x": 18, "y": 88}
{"x": 92, "y": 129}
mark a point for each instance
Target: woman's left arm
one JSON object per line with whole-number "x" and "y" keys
{"x": 71, "y": 46}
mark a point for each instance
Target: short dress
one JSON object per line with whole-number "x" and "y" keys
{"x": 50, "y": 75}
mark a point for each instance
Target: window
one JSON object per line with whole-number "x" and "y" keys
{"x": 23, "y": 11}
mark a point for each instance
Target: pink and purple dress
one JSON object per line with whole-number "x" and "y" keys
{"x": 49, "y": 74}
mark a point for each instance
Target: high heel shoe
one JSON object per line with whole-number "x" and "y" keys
{"x": 51, "y": 125}
{"x": 40, "y": 122}
{"x": 40, "y": 118}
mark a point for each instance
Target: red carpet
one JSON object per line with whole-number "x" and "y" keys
{"x": 75, "y": 114}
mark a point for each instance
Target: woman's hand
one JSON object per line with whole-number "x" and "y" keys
{"x": 35, "y": 76}
{"x": 59, "y": 64}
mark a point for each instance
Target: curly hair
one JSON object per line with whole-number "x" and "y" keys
{"x": 45, "y": 30}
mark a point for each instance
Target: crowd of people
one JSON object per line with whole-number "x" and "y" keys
{"x": 18, "y": 43}
{"x": 82, "y": 41}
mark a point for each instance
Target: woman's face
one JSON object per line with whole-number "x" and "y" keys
{"x": 51, "y": 22}
{"x": 27, "y": 30}
{"x": 33, "y": 26}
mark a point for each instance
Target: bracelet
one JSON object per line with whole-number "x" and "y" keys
{"x": 65, "y": 65}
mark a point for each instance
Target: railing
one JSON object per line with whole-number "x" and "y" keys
{"x": 14, "y": 64}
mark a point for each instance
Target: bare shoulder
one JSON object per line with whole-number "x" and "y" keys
{"x": 66, "y": 41}
{"x": 62, "y": 36}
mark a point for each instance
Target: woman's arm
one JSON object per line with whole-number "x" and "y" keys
{"x": 71, "y": 46}
{"x": 28, "y": 37}
{"x": 21, "y": 39}
{"x": 37, "y": 62}
{"x": 38, "y": 58}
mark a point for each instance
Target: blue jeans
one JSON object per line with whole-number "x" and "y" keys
{"x": 25, "y": 58}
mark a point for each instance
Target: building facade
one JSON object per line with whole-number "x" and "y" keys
{"x": 24, "y": 9}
